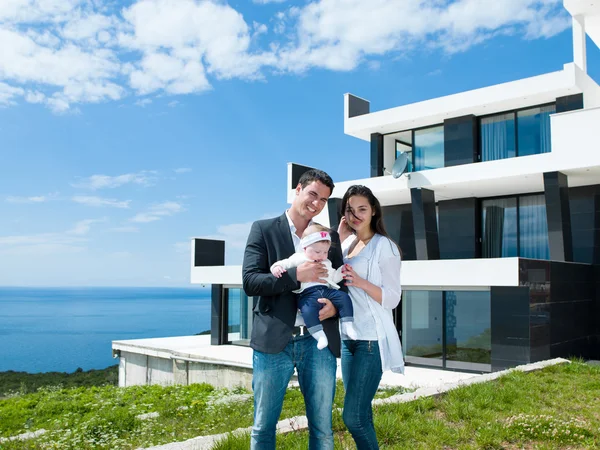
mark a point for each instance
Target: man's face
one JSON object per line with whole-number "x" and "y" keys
{"x": 311, "y": 200}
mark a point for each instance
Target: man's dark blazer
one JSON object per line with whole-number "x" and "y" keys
{"x": 275, "y": 310}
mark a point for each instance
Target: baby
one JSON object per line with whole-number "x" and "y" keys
{"x": 315, "y": 243}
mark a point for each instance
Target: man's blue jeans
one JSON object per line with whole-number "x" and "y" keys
{"x": 316, "y": 376}
{"x": 361, "y": 373}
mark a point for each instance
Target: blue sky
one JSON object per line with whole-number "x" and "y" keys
{"x": 127, "y": 128}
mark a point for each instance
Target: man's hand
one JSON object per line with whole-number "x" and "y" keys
{"x": 311, "y": 271}
{"x": 328, "y": 310}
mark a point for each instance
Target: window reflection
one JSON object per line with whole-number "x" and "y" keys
{"x": 429, "y": 148}
{"x": 533, "y": 127}
{"x": 422, "y": 327}
{"x": 499, "y": 228}
{"x": 468, "y": 330}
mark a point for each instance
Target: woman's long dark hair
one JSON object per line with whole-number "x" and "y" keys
{"x": 377, "y": 225}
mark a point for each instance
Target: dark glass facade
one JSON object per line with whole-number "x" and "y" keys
{"x": 429, "y": 148}
{"x": 448, "y": 329}
{"x": 515, "y": 226}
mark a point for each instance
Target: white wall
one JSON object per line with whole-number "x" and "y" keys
{"x": 473, "y": 273}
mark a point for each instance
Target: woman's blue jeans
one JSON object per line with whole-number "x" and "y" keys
{"x": 316, "y": 376}
{"x": 361, "y": 373}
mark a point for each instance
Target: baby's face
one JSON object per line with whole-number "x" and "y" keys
{"x": 317, "y": 251}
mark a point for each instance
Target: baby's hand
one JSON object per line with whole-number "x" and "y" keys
{"x": 277, "y": 271}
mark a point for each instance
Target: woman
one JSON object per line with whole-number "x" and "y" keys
{"x": 372, "y": 274}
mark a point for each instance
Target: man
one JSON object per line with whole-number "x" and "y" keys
{"x": 279, "y": 343}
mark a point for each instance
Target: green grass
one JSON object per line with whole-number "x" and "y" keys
{"x": 555, "y": 408}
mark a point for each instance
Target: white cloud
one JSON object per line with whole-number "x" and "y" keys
{"x": 83, "y": 227}
{"x": 182, "y": 170}
{"x": 172, "y": 104}
{"x": 62, "y": 53}
{"x": 143, "y": 102}
{"x": 8, "y": 94}
{"x": 157, "y": 212}
{"x": 99, "y": 201}
{"x": 32, "y": 199}
{"x": 95, "y": 182}
{"x": 70, "y": 241}
{"x": 235, "y": 236}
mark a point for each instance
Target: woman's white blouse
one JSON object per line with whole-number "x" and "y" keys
{"x": 379, "y": 263}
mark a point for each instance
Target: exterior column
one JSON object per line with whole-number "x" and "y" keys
{"x": 579, "y": 52}
{"x": 425, "y": 223}
{"x": 219, "y": 315}
{"x": 376, "y": 155}
{"x": 558, "y": 212}
{"x": 210, "y": 252}
{"x": 333, "y": 208}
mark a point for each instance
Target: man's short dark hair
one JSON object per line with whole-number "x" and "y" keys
{"x": 316, "y": 175}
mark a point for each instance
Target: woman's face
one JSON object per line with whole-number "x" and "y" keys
{"x": 359, "y": 213}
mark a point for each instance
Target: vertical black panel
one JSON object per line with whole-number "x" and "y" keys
{"x": 510, "y": 326}
{"x": 556, "y": 192}
{"x": 584, "y": 229}
{"x": 209, "y": 252}
{"x": 376, "y": 155}
{"x": 297, "y": 171}
{"x": 596, "y": 239}
{"x": 460, "y": 140}
{"x": 218, "y": 316}
{"x": 334, "y": 206}
{"x": 425, "y": 223}
{"x": 460, "y": 228}
{"x": 357, "y": 106}
{"x": 398, "y": 223}
{"x": 569, "y": 103}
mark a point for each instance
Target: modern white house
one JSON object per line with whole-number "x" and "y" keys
{"x": 497, "y": 215}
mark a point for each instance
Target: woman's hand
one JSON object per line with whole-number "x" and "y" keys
{"x": 344, "y": 229}
{"x": 352, "y": 278}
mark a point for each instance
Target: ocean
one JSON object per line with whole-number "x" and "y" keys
{"x": 62, "y": 329}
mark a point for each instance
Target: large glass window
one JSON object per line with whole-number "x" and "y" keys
{"x": 422, "y": 327}
{"x": 499, "y": 228}
{"x": 429, "y": 148}
{"x": 450, "y": 329}
{"x": 515, "y": 226}
{"x": 498, "y": 137}
{"x": 533, "y": 126}
{"x": 239, "y": 311}
{"x": 468, "y": 330}
{"x": 533, "y": 227}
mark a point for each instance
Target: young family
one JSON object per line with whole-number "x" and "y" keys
{"x": 311, "y": 285}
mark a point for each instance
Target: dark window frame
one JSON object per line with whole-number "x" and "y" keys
{"x": 518, "y": 207}
{"x": 516, "y": 119}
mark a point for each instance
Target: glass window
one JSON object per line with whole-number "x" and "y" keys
{"x": 422, "y": 327}
{"x": 533, "y": 127}
{"x": 533, "y": 227}
{"x": 429, "y": 148}
{"x": 499, "y": 228}
{"x": 239, "y": 322}
{"x": 468, "y": 330}
{"x": 498, "y": 137}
